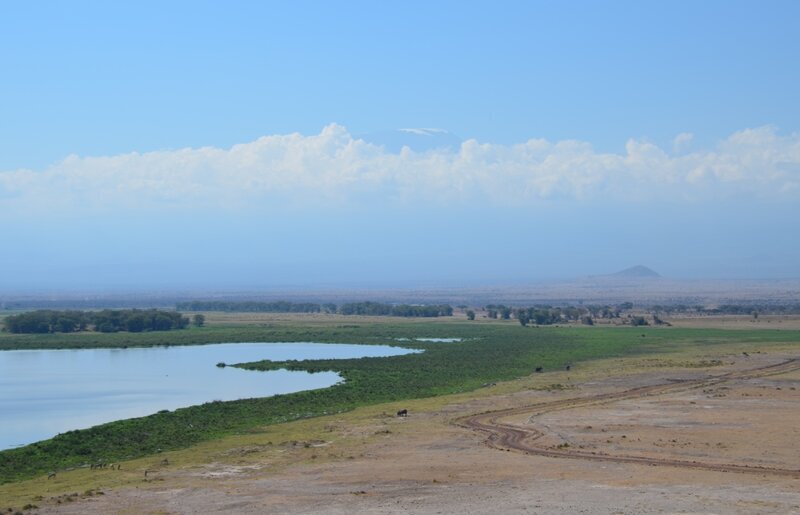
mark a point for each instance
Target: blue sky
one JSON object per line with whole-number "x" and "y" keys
{"x": 117, "y": 117}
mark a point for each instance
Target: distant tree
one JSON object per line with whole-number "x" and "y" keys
{"x": 658, "y": 321}
{"x": 199, "y": 320}
{"x": 505, "y": 312}
{"x": 587, "y": 320}
{"x": 755, "y": 315}
{"x": 573, "y": 313}
{"x": 107, "y": 327}
{"x": 637, "y": 321}
{"x": 523, "y": 317}
{"x": 136, "y": 323}
{"x": 543, "y": 316}
{"x": 470, "y": 315}
{"x": 161, "y": 322}
{"x": 65, "y": 325}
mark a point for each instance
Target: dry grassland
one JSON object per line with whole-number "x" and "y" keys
{"x": 785, "y": 322}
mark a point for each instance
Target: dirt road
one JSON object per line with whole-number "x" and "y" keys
{"x": 505, "y": 436}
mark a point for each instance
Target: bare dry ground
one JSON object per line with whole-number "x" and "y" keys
{"x": 371, "y": 461}
{"x": 784, "y": 322}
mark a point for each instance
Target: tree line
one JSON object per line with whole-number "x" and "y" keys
{"x": 730, "y": 309}
{"x": 549, "y": 315}
{"x": 396, "y": 310}
{"x": 545, "y": 315}
{"x": 253, "y": 306}
{"x": 350, "y": 308}
{"x": 105, "y": 321}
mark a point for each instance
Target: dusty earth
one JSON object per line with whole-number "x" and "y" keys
{"x": 732, "y": 411}
{"x": 784, "y": 322}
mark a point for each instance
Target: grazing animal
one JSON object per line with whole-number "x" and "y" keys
{"x": 746, "y": 354}
{"x": 402, "y": 413}
{"x": 51, "y": 475}
{"x": 539, "y": 369}
{"x": 568, "y": 367}
{"x": 145, "y": 473}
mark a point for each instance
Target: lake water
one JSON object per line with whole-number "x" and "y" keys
{"x": 430, "y": 340}
{"x": 46, "y": 392}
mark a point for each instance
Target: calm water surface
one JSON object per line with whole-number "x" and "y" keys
{"x": 431, "y": 340}
{"x": 46, "y": 392}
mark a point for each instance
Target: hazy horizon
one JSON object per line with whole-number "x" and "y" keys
{"x": 315, "y": 146}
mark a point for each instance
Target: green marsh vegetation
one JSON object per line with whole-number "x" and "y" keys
{"x": 491, "y": 351}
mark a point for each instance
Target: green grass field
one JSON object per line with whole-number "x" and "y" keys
{"x": 490, "y": 352}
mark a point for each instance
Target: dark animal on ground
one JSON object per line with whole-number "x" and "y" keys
{"x": 402, "y": 413}
{"x": 539, "y": 369}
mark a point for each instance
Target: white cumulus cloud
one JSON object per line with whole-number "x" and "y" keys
{"x": 682, "y": 142}
{"x": 333, "y": 167}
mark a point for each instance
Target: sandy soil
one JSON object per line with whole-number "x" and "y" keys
{"x": 370, "y": 461}
{"x": 784, "y": 322}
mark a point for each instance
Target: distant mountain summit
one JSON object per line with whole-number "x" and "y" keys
{"x": 638, "y": 272}
{"x": 418, "y": 140}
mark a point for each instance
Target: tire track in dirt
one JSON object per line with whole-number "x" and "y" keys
{"x": 509, "y": 437}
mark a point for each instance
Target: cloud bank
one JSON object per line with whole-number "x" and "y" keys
{"x": 335, "y": 168}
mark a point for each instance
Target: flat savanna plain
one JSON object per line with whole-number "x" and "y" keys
{"x": 697, "y": 396}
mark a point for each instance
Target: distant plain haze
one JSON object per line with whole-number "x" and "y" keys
{"x": 245, "y": 146}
